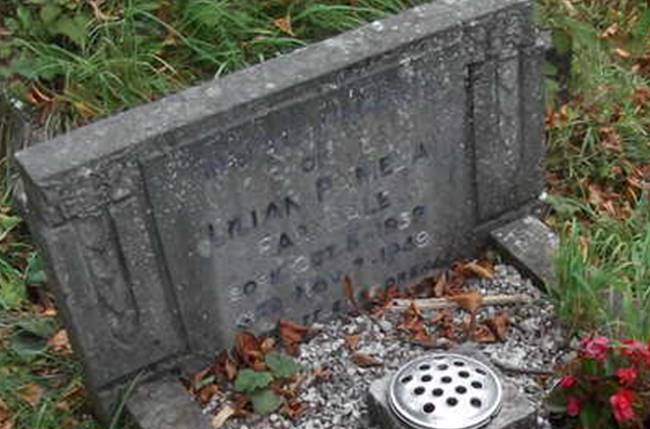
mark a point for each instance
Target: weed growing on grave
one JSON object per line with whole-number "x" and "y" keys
{"x": 254, "y": 376}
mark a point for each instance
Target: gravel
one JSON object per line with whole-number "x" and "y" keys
{"x": 535, "y": 342}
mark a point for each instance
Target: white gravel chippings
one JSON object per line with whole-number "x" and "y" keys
{"x": 535, "y": 341}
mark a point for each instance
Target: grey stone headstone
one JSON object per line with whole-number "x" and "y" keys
{"x": 378, "y": 154}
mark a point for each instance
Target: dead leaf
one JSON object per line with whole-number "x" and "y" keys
{"x": 267, "y": 345}
{"x": 641, "y": 96}
{"x": 292, "y": 335}
{"x": 247, "y": 347}
{"x": 622, "y": 53}
{"x": 70, "y": 423}
{"x": 610, "y": 31}
{"x": 481, "y": 269}
{"x": 352, "y": 341}
{"x": 222, "y": 416}
{"x": 5, "y": 415}
{"x": 31, "y": 393}
{"x": 99, "y": 15}
{"x": 365, "y": 361}
{"x": 610, "y": 139}
{"x": 206, "y": 393}
{"x": 322, "y": 373}
{"x": 470, "y": 301}
{"x": 60, "y": 343}
{"x": 499, "y": 325}
{"x": 294, "y": 409}
{"x": 284, "y": 24}
{"x": 348, "y": 289}
{"x": 440, "y": 286}
{"x": 483, "y": 334}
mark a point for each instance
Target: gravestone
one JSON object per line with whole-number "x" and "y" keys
{"x": 379, "y": 154}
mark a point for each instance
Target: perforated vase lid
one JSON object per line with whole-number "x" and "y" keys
{"x": 445, "y": 391}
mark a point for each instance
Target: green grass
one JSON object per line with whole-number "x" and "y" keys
{"x": 71, "y": 63}
{"x": 599, "y": 164}
{"x": 74, "y": 63}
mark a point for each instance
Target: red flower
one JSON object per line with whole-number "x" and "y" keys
{"x": 627, "y": 376}
{"x": 636, "y": 351}
{"x": 568, "y": 381}
{"x": 595, "y": 348}
{"x": 621, "y": 403}
{"x": 573, "y": 406}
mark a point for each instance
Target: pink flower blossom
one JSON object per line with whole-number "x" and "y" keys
{"x": 573, "y": 406}
{"x": 621, "y": 403}
{"x": 636, "y": 351}
{"x": 568, "y": 381}
{"x": 595, "y": 348}
{"x": 627, "y": 376}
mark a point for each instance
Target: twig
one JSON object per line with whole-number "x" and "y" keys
{"x": 507, "y": 368}
{"x": 442, "y": 303}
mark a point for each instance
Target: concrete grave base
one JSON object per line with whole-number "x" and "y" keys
{"x": 516, "y": 412}
{"x": 165, "y": 404}
{"x": 531, "y": 246}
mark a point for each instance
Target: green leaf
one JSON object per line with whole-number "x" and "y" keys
{"x": 265, "y": 401}
{"x": 73, "y": 28}
{"x": 27, "y": 347}
{"x": 281, "y": 365}
{"x": 35, "y": 270}
{"x": 49, "y": 13}
{"x": 37, "y": 327}
{"x": 249, "y": 380}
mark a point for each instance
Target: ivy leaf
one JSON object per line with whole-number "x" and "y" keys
{"x": 265, "y": 401}
{"x": 248, "y": 380}
{"x": 281, "y": 365}
{"x": 49, "y": 13}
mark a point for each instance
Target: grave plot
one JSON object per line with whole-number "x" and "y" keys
{"x": 376, "y": 156}
{"x": 345, "y": 365}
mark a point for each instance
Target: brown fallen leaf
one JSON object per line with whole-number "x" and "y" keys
{"x": 610, "y": 140}
{"x": 622, "y": 53}
{"x": 348, "y": 289}
{"x": 284, "y": 24}
{"x": 206, "y": 393}
{"x": 5, "y": 414}
{"x": 440, "y": 286}
{"x": 31, "y": 393}
{"x": 247, "y": 348}
{"x": 322, "y": 373}
{"x": 483, "y": 334}
{"x": 352, "y": 341}
{"x": 499, "y": 325}
{"x": 267, "y": 345}
{"x": 222, "y": 416}
{"x": 610, "y": 31}
{"x": 365, "y": 361}
{"x": 470, "y": 301}
{"x": 292, "y": 332}
{"x": 294, "y": 409}
{"x": 481, "y": 269}
{"x": 60, "y": 343}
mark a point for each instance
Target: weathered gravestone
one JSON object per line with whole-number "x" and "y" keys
{"x": 379, "y": 154}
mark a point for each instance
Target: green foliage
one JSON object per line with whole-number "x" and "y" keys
{"x": 249, "y": 381}
{"x": 265, "y": 401}
{"x": 604, "y": 275}
{"x": 282, "y": 366}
